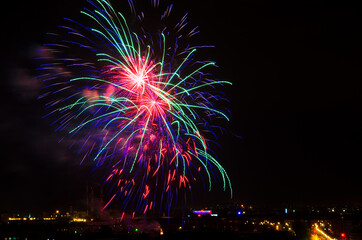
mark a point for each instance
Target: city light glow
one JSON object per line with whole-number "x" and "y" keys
{"x": 318, "y": 230}
{"x": 202, "y": 212}
{"x": 79, "y": 220}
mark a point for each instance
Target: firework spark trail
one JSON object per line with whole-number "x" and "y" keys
{"x": 138, "y": 104}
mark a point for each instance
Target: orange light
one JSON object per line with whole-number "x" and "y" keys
{"x": 343, "y": 235}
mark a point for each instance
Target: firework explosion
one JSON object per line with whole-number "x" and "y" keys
{"x": 136, "y": 102}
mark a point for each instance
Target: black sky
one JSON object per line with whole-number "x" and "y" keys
{"x": 296, "y": 68}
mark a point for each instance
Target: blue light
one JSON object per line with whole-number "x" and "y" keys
{"x": 239, "y": 212}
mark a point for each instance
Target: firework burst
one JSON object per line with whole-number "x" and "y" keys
{"x": 136, "y": 101}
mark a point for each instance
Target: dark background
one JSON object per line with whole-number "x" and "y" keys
{"x": 295, "y": 134}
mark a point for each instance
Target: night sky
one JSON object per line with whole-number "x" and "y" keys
{"x": 295, "y": 136}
